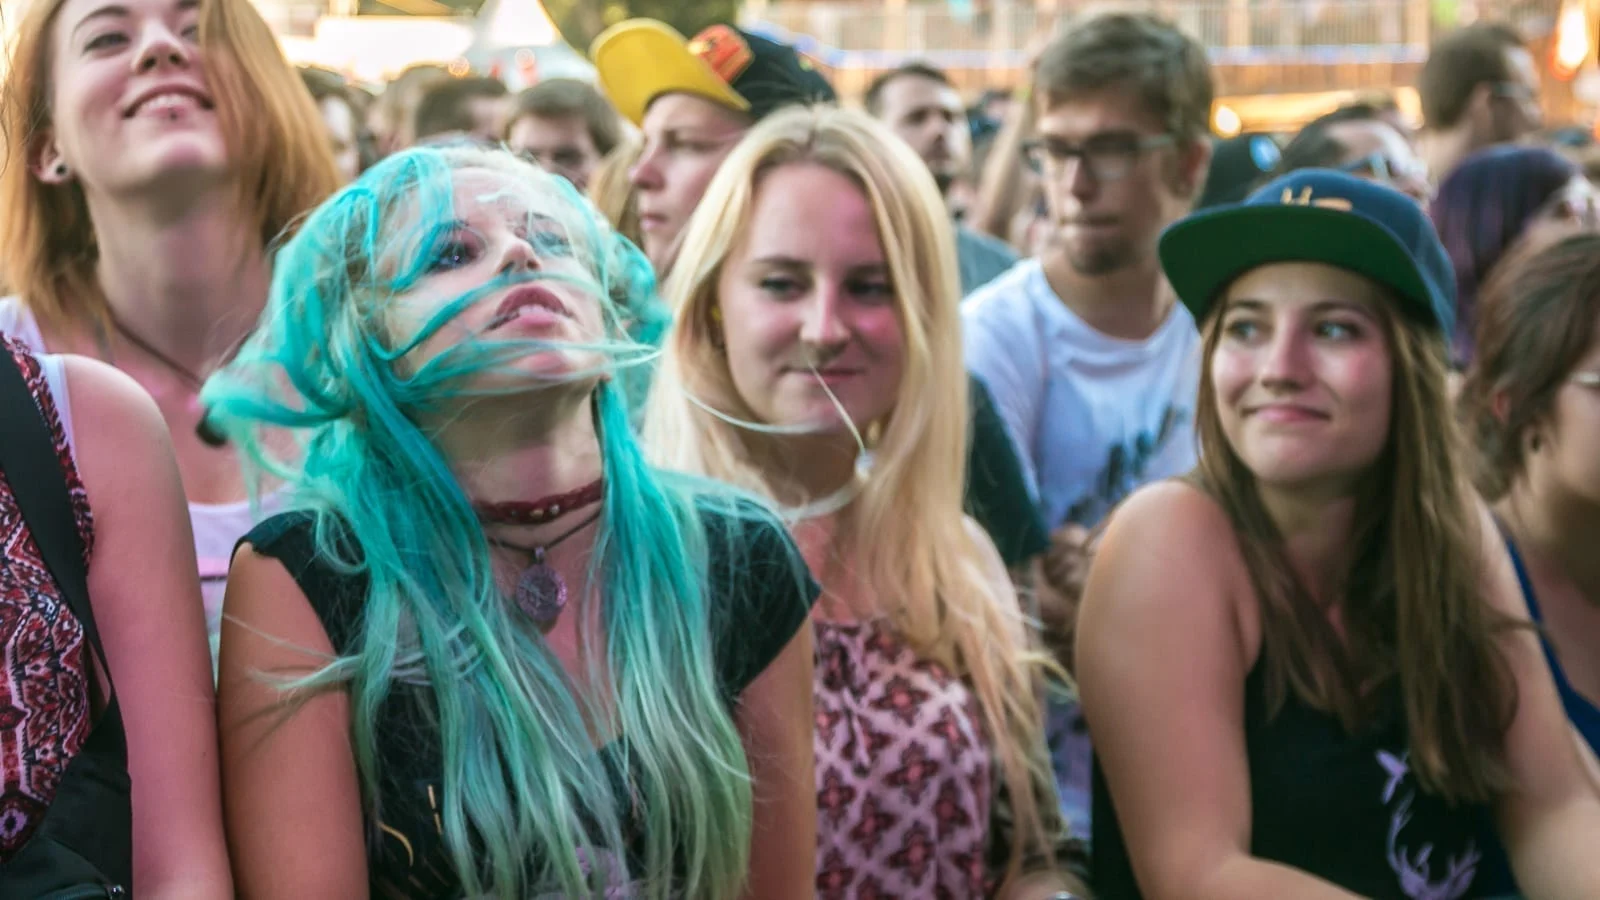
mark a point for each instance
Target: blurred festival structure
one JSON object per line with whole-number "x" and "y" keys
{"x": 371, "y": 41}
{"x": 1279, "y": 63}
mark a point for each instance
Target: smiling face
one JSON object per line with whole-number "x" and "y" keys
{"x": 1303, "y": 374}
{"x": 808, "y": 288}
{"x": 130, "y": 105}
{"x": 512, "y": 243}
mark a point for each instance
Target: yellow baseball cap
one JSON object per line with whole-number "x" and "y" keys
{"x": 641, "y": 59}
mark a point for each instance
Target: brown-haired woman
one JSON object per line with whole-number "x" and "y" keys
{"x": 1531, "y": 404}
{"x": 153, "y": 149}
{"x": 1302, "y": 669}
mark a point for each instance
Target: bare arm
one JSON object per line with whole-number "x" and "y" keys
{"x": 290, "y": 787}
{"x": 1165, "y": 641}
{"x": 775, "y": 720}
{"x": 145, "y": 588}
{"x": 1550, "y": 819}
{"x": 1043, "y": 882}
{"x": 1001, "y": 186}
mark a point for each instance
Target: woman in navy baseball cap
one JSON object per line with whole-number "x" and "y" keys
{"x": 1307, "y": 667}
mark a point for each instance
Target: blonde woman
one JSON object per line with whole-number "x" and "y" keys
{"x": 816, "y": 358}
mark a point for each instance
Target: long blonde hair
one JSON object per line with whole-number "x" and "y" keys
{"x": 907, "y": 524}
{"x": 275, "y": 137}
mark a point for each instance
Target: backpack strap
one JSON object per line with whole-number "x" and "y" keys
{"x": 30, "y": 465}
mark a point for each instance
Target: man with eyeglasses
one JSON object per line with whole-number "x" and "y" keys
{"x": 1094, "y": 365}
{"x": 1479, "y": 87}
{"x": 1358, "y": 139}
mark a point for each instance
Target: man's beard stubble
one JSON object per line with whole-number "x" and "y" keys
{"x": 1096, "y": 262}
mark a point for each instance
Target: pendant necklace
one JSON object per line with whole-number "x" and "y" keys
{"x": 541, "y": 592}
{"x": 192, "y": 379}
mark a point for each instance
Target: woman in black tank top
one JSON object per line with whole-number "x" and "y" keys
{"x": 1307, "y": 670}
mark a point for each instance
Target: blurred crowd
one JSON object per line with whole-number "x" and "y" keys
{"x": 696, "y": 484}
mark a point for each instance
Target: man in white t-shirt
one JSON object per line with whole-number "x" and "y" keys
{"x": 1092, "y": 362}
{"x": 1090, "y": 358}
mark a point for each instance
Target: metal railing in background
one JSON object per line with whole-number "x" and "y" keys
{"x": 293, "y": 18}
{"x": 1238, "y": 32}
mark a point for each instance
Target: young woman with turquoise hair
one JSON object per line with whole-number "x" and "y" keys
{"x": 493, "y": 652}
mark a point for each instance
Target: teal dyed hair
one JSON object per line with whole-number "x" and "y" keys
{"x": 525, "y": 794}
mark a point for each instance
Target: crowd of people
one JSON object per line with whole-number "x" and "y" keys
{"x": 692, "y": 485}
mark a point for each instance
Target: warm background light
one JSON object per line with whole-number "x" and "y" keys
{"x": 1226, "y": 122}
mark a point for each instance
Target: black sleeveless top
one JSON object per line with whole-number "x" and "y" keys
{"x": 1345, "y": 808}
{"x": 761, "y": 597}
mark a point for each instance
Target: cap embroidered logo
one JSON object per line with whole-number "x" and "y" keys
{"x": 1305, "y": 199}
{"x": 724, "y": 50}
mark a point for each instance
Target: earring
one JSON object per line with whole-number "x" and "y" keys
{"x": 714, "y": 329}
{"x": 61, "y": 170}
{"x": 1535, "y": 444}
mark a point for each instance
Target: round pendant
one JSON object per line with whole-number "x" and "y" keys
{"x": 541, "y": 594}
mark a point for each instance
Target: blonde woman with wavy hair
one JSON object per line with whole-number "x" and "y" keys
{"x": 816, "y": 358}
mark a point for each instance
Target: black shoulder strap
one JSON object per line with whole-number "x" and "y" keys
{"x": 28, "y": 460}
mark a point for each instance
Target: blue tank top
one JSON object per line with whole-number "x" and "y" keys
{"x": 1583, "y": 715}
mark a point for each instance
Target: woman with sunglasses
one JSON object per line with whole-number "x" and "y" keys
{"x": 1495, "y": 198}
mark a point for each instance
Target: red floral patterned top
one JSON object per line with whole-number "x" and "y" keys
{"x": 44, "y": 687}
{"x": 908, "y": 803}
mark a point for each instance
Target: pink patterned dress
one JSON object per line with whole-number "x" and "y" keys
{"x": 905, "y": 783}
{"x": 44, "y": 686}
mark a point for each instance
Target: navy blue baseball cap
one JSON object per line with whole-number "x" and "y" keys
{"x": 1315, "y": 215}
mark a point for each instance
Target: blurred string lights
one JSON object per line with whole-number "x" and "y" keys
{"x": 1225, "y": 121}
{"x": 1574, "y": 39}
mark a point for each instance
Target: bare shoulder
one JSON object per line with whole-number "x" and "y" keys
{"x": 1173, "y": 524}
{"x": 268, "y": 612}
{"x": 109, "y": 399}
{"x": 1169, "y": 557}
{"x": 118, "y": 431}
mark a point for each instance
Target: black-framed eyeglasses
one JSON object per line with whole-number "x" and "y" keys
{"x": 1106, "y": 157}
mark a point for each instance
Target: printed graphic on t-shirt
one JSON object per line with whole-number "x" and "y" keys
{"x": 1126, "y": 468}
{"x": 1413, "y": 865}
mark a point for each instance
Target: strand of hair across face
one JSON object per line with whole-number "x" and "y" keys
{"x": 389, "y": 509}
